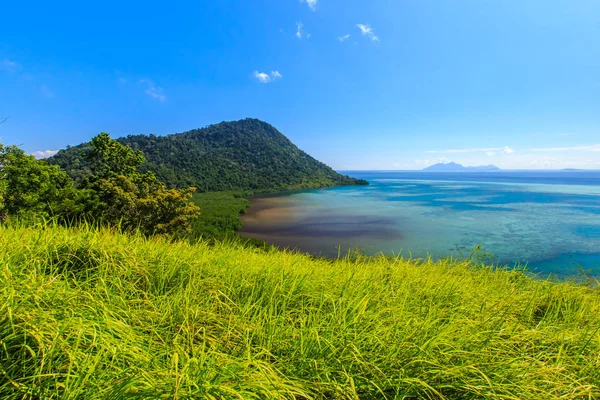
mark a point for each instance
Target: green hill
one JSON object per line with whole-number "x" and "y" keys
{"x": 242, "y": 155}
{"x": 89, "y": 314}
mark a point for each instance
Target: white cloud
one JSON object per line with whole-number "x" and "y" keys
{"x": 10, "y": 66}
{"x": 505, "y": 150}
{"x": 44, "y": 154}
{"x": 47, "y": 92}
{"x": 311, "y": 3}
{"x": 344, "y": 38}
{"x": 366, "y": 30}
{"x": 593, "y": 147}
{"x": 299, "y": 27}
{"x": 154, "y": 91}
{"x": 490, "y": 153}
{"x": 266, "y": 78}
{"x": 262, "y": 77}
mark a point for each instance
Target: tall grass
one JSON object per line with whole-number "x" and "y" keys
{"x": 88, "y": 313}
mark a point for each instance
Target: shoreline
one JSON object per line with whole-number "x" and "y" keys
{"x": 279, "y": 220}
{"x": 321, "y": 227}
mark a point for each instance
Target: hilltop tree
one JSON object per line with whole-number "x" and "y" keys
{"x": 132, "y": 199}
{"x": 109, "y": 158}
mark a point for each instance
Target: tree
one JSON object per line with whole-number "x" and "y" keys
{"x": 132, "y": 199}
{"x": 110, "y": 158}
{"x": 115, "y": 193}
{"x": 31, "y": 187}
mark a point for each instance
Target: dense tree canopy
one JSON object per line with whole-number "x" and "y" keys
{"x": 114, "y": 191}
{"x": 109, "y": 158}
{"x": 30, "y": 187}
{"x": 132, "y": 199}
{"x": 243, "y": 155}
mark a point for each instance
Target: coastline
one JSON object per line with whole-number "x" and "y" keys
{"x": 288, "y": 222}
{"x": 438, "y": 219}
{"x": 266, "y": 202}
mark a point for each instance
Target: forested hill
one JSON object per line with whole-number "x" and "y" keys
{"x": 248, "y": 154}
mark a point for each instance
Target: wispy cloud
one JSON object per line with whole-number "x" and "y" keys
{"x": 366, "y": 30}
{"x": 299, "y": 30}
{"x": 490, "y": 153}
{"x": 592, "y": 147}
{"x": 505, "y": 150}
{"x": 344, "y": 38}
{"x": 122, "y": 80}
{"x": 44, "y": 153}
{"x": 311, "y": 3}
{"x": 14, "y": 67}
{"x": 10, "y": 66}
{"x": 263, "y": 77}
{"x": 49, "y": 94}
{"x": 154, "y": 91}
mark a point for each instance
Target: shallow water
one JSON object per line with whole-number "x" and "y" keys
{"x": 550, "y": 220}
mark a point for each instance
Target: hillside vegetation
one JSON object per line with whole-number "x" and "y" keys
{"x": 243, "y": 155}
{"x": 99, "y": 315}
{"x": 114, "y": 193}
{"x": 219, "y": 218}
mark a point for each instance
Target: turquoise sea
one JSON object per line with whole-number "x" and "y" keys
{"x": 549, "y": 220}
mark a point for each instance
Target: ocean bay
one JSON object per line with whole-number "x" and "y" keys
{"x": 549, "y": 220}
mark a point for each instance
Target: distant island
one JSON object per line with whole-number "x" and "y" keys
{"x": 454, "y": 167}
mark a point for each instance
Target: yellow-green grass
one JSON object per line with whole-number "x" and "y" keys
{"x": 88, "y": 313}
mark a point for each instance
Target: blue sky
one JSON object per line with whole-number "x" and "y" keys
{"x": 378, "y": 84}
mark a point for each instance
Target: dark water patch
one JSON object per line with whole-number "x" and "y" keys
{"x": 493, "y": 194}
{"x": 568, "y": 265}
{"x": 328, "y": 226}
{"x": 591, "y": 210}
{"x": 545, "y": 198}
{"x": 465, "y": 206}
{"x": 588, "y": 231}
{"x": 443, "y": 201}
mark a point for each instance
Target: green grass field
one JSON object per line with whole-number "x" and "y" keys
{"x": 88, "y": 314}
